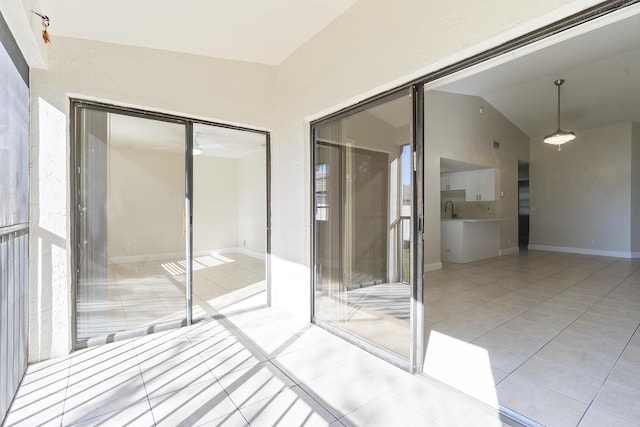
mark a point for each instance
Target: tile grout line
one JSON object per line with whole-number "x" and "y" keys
{"x": 613, "y": 367}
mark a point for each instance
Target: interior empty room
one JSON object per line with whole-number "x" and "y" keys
{"x": 334, "y": 213}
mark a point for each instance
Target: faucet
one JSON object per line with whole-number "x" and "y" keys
{"x": 453, "y": 210}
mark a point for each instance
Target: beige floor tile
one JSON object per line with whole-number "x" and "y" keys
{"x": 511, "y": 337}
{"x": 572, "y": 383}
{"x": 543, "y": 332}
{"x": 631, "y": 355}
{"x": 588, "y": 363}
{"x": 621, "y": 321}
{"x": 620, "y": 400}
{"x": 596, "y": 417}
{"x": 596, "y": 344}
{"x": 615, "y": 312}
{"x": 617, "y": 334}
{"x": 539, "y": 403}
{"x": 626, "y": 375}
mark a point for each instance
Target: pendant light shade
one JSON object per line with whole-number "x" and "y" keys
{"x": 560, "y": 136}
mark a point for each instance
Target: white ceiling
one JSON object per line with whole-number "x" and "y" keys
{"x": 262, "y": 31}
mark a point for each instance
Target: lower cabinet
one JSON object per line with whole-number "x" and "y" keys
{"x": 467, "y": 240}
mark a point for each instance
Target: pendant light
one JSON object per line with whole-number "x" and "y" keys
{"x": 560, "y": 136}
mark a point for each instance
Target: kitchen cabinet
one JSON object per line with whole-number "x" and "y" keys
{"x": 453, "y": 181}
{"x": 482, "y": 185}
{"x": 467, "y": 240}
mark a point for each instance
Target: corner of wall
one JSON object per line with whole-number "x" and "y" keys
{"x": 635, "y": 186}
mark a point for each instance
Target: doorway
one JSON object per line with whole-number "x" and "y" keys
{"x": 171, "y": 221}
{"x": 523, "y": 205}
{"x": 364, "y": 225}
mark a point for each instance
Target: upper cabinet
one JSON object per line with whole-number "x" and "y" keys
{"x": 453, "y": 181}
{"x": 481, "y": 185}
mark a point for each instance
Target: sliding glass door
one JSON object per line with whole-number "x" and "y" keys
{"x": 363, "y": 246}
{"x": 170, "y": 221}
{"x": 229, "y": 219}
{"x": 131, "y": 218}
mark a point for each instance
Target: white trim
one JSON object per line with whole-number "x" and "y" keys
{"x": 242, "y": 250}
{"x": 182, "y": 255}
{"x": 509, "y": 251}
{"x": 432, "y": 267}
{"x": 584, "y": 251}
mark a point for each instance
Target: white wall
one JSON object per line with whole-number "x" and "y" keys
{"x": 635, "y": 192}
{"x": 456, "y": 129}
{"x": 215, "y": 203}
{"x": 581, "y": 196}
{"x": 252, "y": 197}
{"x": 145, "y": 204}
{"x": 220, "y": 90}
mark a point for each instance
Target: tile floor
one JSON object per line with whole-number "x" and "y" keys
{"x": 148, "y": 293}
{"x": 256, "y": 368}
{"x": 554, "y": 337}
{"x": 551, "y": 336}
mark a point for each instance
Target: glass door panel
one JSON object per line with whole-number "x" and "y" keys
{"x": 363, "y": 188}
{"x": 229, "y": 220}
{"x": 131, "y": 210}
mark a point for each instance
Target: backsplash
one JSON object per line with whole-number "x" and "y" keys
{"x": 468, "y": 210}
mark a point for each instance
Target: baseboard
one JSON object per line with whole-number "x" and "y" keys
{"x": 249, "y": 252}
{"x": 145, "y": 258}
{"x": 509, "y": 251}
{"x": 584, "y": 251}
{"x": 432, "y": 267}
